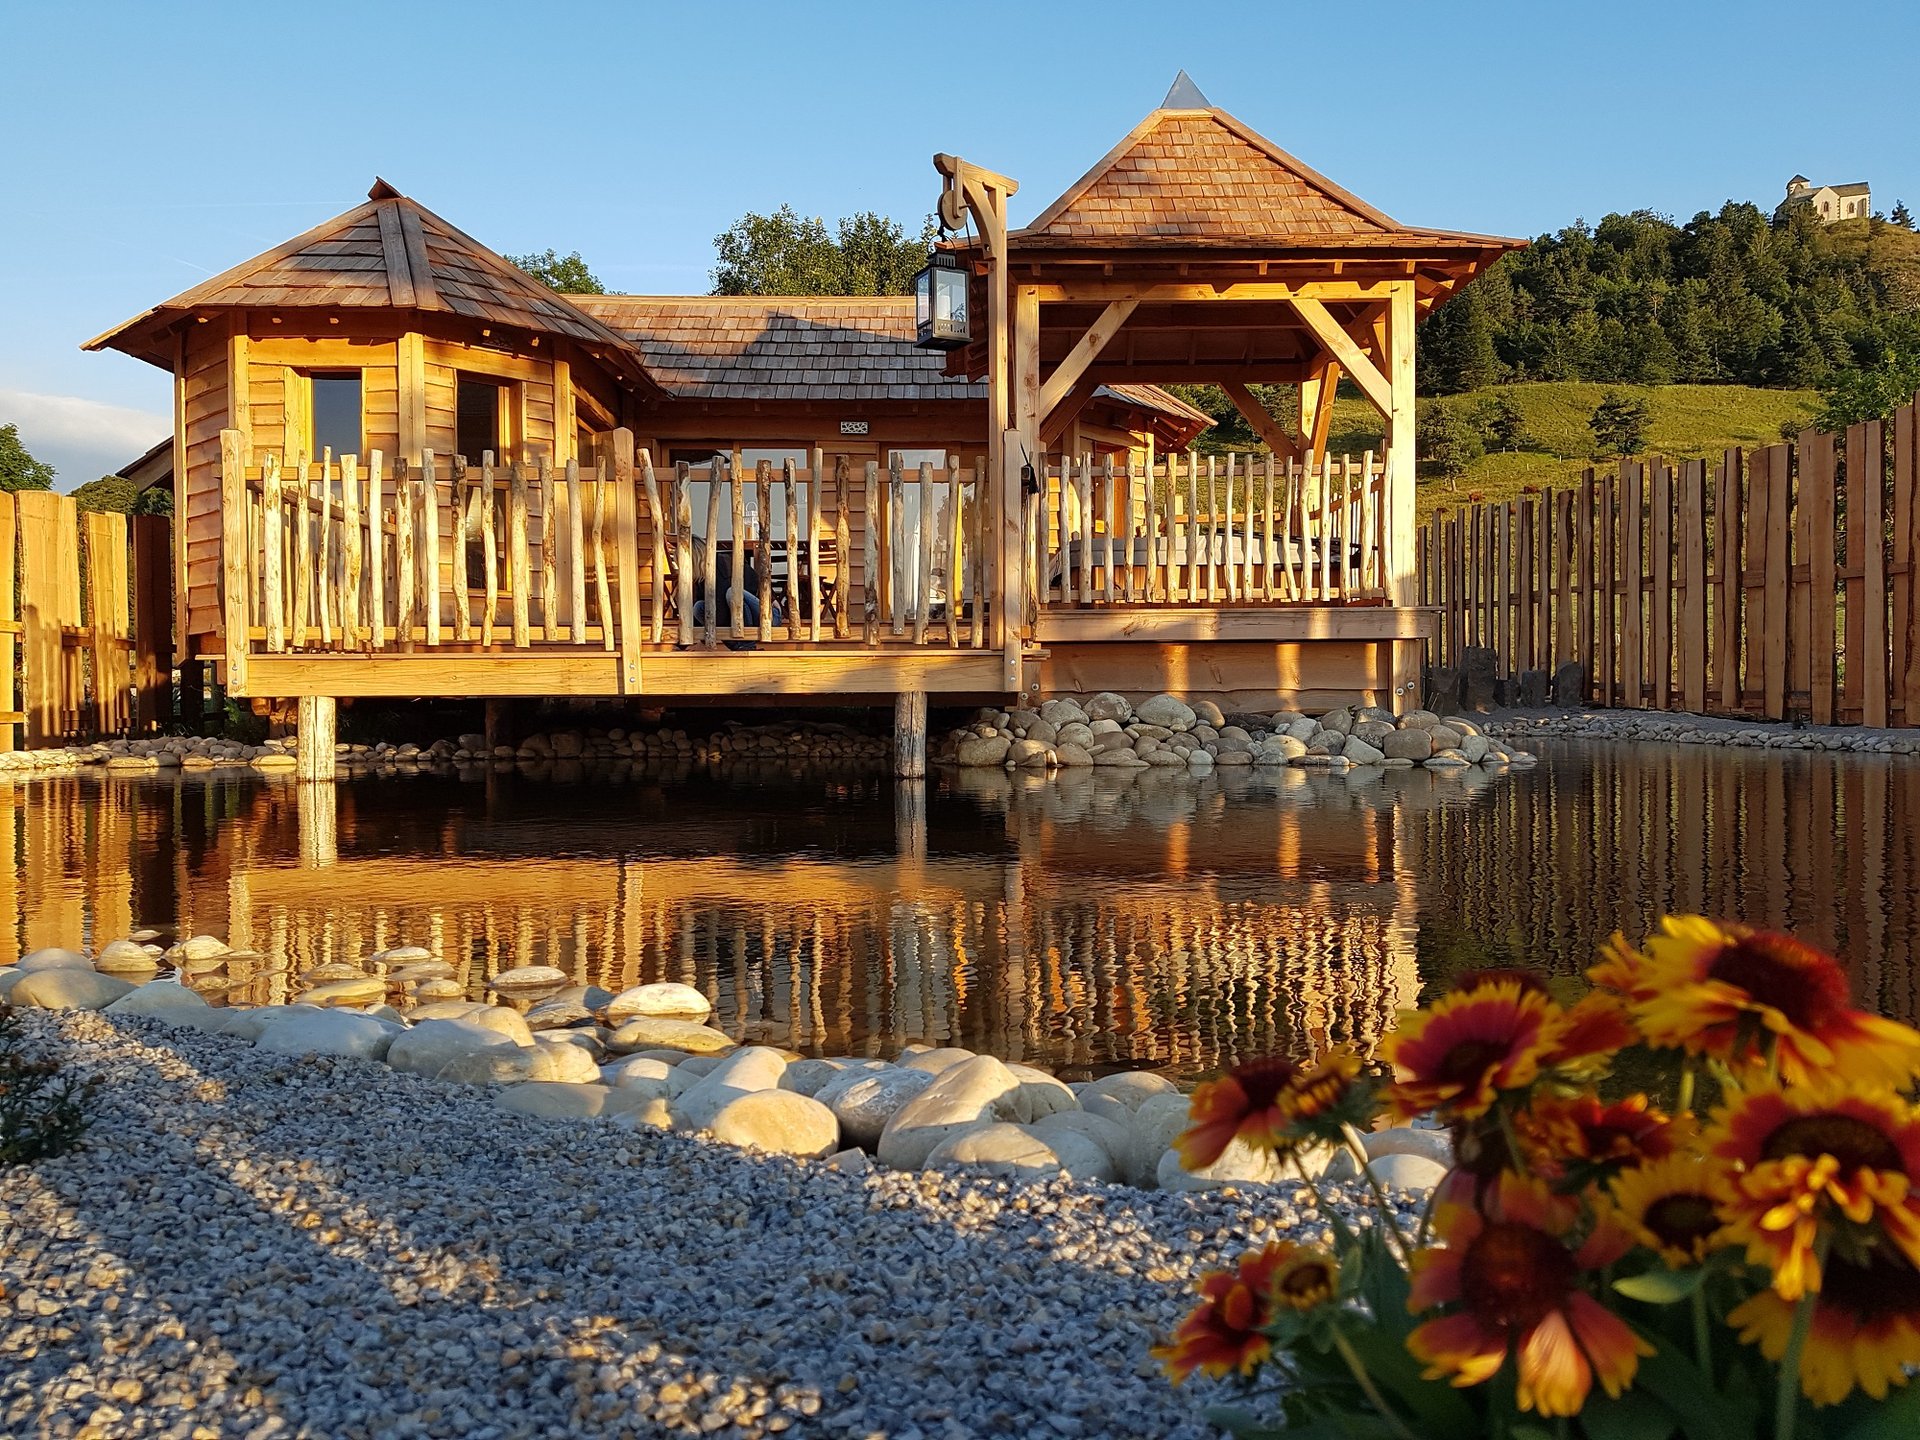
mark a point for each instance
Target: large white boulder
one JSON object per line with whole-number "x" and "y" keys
{"x": 365, "y": 990}
{"x": 1239, "y": 1164}
{"x": 1041, "y": 1093}
{"x": 1165, "y": 710}
{"x": 976, "y": 1091}
{"x": 53, "y": 957}
{"x": 1407, "y": 1172}
{"x": 125, "y": 957}
{"x": 1434, "y": 1145}
{"x": 936, "y": 1062}
{"x": 457, "y": 1050}
{"x": 309, "y": 1031}
{"x": 663, "y": 997}
{"x": 778, "y": 1122}
{"x": 641, "y": 1074}
{"x": 529, "y": 977}
{"x": 865, "y": 1100}
{"x": 163, "y": 1000}
{"x": 658, "y": 1032}
{"x": 554, "y": 1100}
{"x": 811, "y": 1076}
{"x": 67, "y": 989}
{"x": 755, "y": 1068}
{"x": 198, "y": 947}
{"x": 1114, "y": 1140}
{"x": 1131, "y": 1088}
{"x": 1020, "y": 1152}
{"x": 1155, "y": 1124}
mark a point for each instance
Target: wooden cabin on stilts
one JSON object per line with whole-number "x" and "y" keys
{"x": 402, "y": 467}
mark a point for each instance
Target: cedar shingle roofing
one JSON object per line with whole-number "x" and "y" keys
{"x": 390, "y": 253}
{"x": 1201, "y": 178}
{"x": 806, "y": 347}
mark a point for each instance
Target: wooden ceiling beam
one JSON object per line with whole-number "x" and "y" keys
{"x": 1068, "y": 372}
{"x": 1270, "y": 431}
{"x": 1331, "y": 334}
{"x": 1056, "y": 421}
{"x": 1152, "y": 292}
{"x": 1201, "y": 372}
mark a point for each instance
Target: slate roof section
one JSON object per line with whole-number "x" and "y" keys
{"x": 1202, "y": 178}
{"x": 391, "y": 252}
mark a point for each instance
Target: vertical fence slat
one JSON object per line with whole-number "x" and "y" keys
{"x": 1818, "y": 633}
{"x": 1866, "y": 460}
{"x": 1758, "y": 613}
{"x": 352, "y": 542}
{"x": 869, "y": 592}
{"x": 1803, "y": 584}
{"x": 983, "y": 542}
{"x": 1906, "y": 555}
{"x": 923, "y": 577}
{"x": 602, "y": 592}
{"x": 717, "y": 476}
{"x": 843, "y": 544}
{"x": 1693, "y": 574}
{"x": 1728, "y": 512}
{"x": 576, "y": 543}
{"x": 1606, "y": 586}
{"x": 1779, "y": 564}
{"x": 152, "y": 558}
{"x": 657, "y": 527}
{"x": 683, "y": 551}
{"x": 377, "y": 550}
{"x": 429, "y": 556}
{"x": 957, "y": 550}
{"x": 323, "y": 570}
{"x": 1660, "y": 530}
{"x": 8, "y": 617}
{"x": 1633, "y": 635}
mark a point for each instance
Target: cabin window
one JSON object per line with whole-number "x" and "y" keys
{"x": 480, "y": 411}
{"x": 334, "y": 412}
{"x": 749, "y": 460}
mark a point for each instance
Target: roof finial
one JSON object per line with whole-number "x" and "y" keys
{"x": 1183, "y": 94}
{"x": 383, "y": 191}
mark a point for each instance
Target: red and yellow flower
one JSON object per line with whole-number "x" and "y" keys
{"x": 1865, "y": 1331}
{"x": 1814, "y": 1157}
{"x": 1511, "y": 1280}
{"x": 1226, "y": 1333}
{"x": 1741, "y": 995}
{"x": 1461, "y": 1052}
{"x": 1271, "y": 1104}
{"x": 1669, "y": 1206}
{"x": 1580, "y": 1132}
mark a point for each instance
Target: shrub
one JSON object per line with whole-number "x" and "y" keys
{"x": 42, "y": 1112}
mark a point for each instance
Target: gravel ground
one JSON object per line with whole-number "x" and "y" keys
{"x": 256, "y": 1246}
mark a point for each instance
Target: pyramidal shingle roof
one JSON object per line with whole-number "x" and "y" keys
{"x": 1200, "y": 177}
{"x": 389, "y": 253}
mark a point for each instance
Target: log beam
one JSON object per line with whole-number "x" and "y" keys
{"x": 910, "y": 735}
{"x": 1073, "y": 367}
{"x": 1342, "y": 346}
{"x": 316, "y": 729}
{"x": 1269, "y": 430}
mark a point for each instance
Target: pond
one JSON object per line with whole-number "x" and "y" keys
{"x": 1095, "y": 920}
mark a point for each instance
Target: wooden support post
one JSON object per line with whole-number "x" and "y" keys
{"x": 314, "y": 758}
{"x": 498, "y": 725}
{"x": 235, "y": 568}
{"x": 1021, "y": 446}
{"x": 910, "y": 735}
{"x": 1400, "y": 482}
{"x": 617, "y": 469}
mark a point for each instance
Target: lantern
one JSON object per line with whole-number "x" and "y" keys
{"x": 940, "y": 303}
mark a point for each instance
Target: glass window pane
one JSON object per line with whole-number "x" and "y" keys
{"x": 477, "y": 409}
{"x": 336, "y": 413}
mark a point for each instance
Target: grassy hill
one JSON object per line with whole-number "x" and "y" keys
{"x": 1688, "y": 421}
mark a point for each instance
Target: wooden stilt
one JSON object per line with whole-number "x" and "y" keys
{"x": 910, "y": 735}
{"x": 498, "y": 725}
{"x": 316, "y": 734}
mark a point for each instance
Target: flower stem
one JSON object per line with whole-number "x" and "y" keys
{"x": 1387, "y": 1217}
{"x": 1786, "y": 1400}
{"x": 1686, "y": 1088}
{"x": 1702, "y": 1337}
{"x": 1368, "y": 1388}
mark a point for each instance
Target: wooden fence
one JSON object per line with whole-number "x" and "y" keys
{"x": 1779, "y": 583}
{"x": 87, "y": 599}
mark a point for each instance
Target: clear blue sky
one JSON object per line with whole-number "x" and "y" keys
{"x": 148, "y": 146}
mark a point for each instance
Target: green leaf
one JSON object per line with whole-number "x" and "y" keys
{"x": 1678, "y": 1384}
{"x": 1661, "y": 1287}
{"x": 1440, "y": 1412}
{"x": 1895, "y": 1418}
{"x": 1635, "y": 1415}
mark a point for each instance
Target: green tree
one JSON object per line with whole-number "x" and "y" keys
{"x": 566, "y": 273}
{"x": 1870, "y": 392}
{"x": 1619, "y": 423}
{"x": 1501, "y": 422}
{"x": 1901, "y": 216}
{"x": 18, "y": 469}
{"x": 786, "y": 253}
{"x": 117, "y": 494}
{"x": 1447, "y": 443}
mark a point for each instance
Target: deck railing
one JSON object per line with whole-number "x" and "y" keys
{"x": 1236, "y": 530}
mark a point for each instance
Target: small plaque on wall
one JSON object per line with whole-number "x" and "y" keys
{"x": 853, "y": 427}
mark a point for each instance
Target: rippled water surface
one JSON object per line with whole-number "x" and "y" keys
{"x": 1100, "y": 918}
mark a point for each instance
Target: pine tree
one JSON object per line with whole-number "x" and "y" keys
{"x": 1901, "y": 216}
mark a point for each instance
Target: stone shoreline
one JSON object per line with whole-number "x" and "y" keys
{"x": 260, "y": 1243}
{"x": 1661, "y": 727}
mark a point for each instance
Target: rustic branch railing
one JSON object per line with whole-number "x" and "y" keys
{"x": 1234, "y": 530}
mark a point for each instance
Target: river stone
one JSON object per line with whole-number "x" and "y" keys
{"x": 1155, "y": 1125}
{"x": 10, "y": 976}
{"x": 1412, "y": 743}
{"x": 1431, "y": 1145}
{"x": 329, "y": 1032}
{"x": 808, "y": 1077}
{"x": 431, "y": 1047}
{"x": 652, "y": 1113}
{"x": 1028, "y": 754}
{"x": 1004, "y": 1151}
{"x": 1132, "y": 1088}
{"x": 1109, "y": 706}
{"x": 1474, "y": 748}
{"x": 161, "y": 1000}
{"x": 527, "y": 977}
{"x": 975, "y": 1091}
{"x": 1043, "y": 732}
{"x": 658, "y": 1032}
{"x": 850, "y": 1162}
{"x": 1279, "y": 750}
{"x": 419, "y": 970}
{"x": 53, "y": 958}
{"x": 557, "y": 1013}
{"x": 1114, "y": 1139}
{"x": 1206, "y": 712}
{"x": 198, "y": 947}
{"x": 584, "y": 1040}
{"x": 1407, "y": 1172}
{"x": 1444, "y": 737}
{"x": 1041, "y": 1093}
{"x": 555, "y": 1100}
{"x": 509, "y": 1023}
{"x": 124, "y": 957}
{"x": 1069, "y": 756}
{"x": 65, "y": 988}
{"x": 936, "y": 1062}
{"x": 1239, "y": 1164}
{"x": 777, "y": 1122}
{"x": 863, "y": 1101}
{"x": 334, "y": 970}
{"x": 1165, "y": 710}
{"x": 982, "y": 750}
{"x": 1340, "y": 720}
{"x": 1063, "y": 712}
{"x": 637, "y": 1072}
{"x": 756, "y": 1067}
{"x": 400, "y": 955}
{"x": 663, "y": 997}
{"x": 364, "y": 991}
{"x": 1359, "y": 752}
{"x": 1199, "y": 760}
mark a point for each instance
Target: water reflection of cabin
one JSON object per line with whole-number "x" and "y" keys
{"x": 1195, "y": 251}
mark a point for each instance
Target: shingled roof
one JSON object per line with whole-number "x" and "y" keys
{"x": 808, "y": 347}
{"x": 1199, "y": 177}
{"x": 389, "y": 253}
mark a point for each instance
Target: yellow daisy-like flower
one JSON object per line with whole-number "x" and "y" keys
{"x": 1272, "y": 1104}
{"x": 1865, "y": 1332}
{"x": 1811, "y": 1157}
{"x": 1470, "y": 1045}
{"x": 1737, "y": 994}
{"x": 1226, "y": 1332}
{"x": 1669, "y": 1206}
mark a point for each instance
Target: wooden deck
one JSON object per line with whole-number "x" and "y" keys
{"x": 614, "y": 579}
